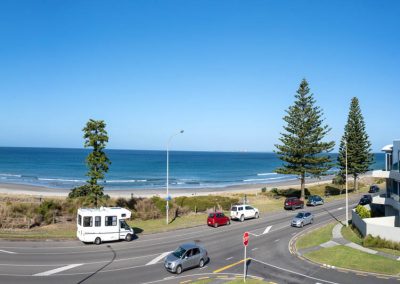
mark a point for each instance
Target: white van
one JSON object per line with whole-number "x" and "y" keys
{"x": 103, "y": 224}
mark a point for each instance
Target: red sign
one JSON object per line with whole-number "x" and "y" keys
{"x": 246, "y": 239}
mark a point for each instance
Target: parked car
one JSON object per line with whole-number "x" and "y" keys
{"x": 217, "y": 219}
{"x": 186, "y": 256}
{"x": 293, "y": 203}
{"x": 242, "y": 212}
{"x": 301, "y": 219}
{"x": 365, "y": 199}
{"x": 315, "y": 200}
{"x": 373, "y": 188}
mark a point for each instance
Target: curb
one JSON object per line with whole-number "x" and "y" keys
{"x": 293, "y": 250}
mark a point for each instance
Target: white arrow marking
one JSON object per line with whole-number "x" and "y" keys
{"x": 340, "y": 208}
{"x": 267, "y": 230}
{"x": 158, "y": 258}
{"x": 54, "y": 271}
{"x": 6, "y": 251}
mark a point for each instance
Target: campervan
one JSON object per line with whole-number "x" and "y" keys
{"x": 97, "y": 225}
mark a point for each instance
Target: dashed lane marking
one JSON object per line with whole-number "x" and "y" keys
{"x": 7, "y": 251}
{"x": 187, "y": 281}
{"x": 254, "y": 249}
{"x": 277, "y": 240}
{"x": 229, "y": 258}
{"x": 56, "y": 270}
{"x": 158, "y": 258}
{"x": 340, "y": 208}
{"x": 202, "y": 278}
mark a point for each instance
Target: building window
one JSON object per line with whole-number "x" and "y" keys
{"x": 97, "y": 221}
{"x": 111, "y": 220}
{"x": 87, "y": 221}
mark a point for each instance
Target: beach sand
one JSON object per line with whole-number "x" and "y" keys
{"x": 38, "y": 191}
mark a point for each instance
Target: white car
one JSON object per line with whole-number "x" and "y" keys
{"x": 242, "y": 212}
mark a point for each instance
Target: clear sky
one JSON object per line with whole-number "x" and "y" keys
{"x": 224, "y": 71}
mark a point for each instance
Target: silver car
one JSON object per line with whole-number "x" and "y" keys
{"x": 301, "y": 219}
{"x": 186, "y": 256}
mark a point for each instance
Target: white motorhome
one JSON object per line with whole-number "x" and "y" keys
{"x": 97, "y": 225}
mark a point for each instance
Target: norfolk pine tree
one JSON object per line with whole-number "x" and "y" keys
{"x": 359, "y": 156}
{"x": 97, "y": 161}
{"x": 302, "y": 149}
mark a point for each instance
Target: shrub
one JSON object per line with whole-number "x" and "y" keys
{"x": 378, "y": 242}
{"x": 363, "y": 212}
{"x": 264, "y": 190}
{"x": 202, "y": 203}
{"x": 145, "y": 209}
{"x": 49, "y": 209}
{"x": 121, "y": 202}
{"x": 160, "y": 203}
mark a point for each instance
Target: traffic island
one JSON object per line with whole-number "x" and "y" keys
{"x": 339, "y": 253}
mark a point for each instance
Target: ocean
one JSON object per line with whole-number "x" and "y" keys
{"x": 138, "y": 169}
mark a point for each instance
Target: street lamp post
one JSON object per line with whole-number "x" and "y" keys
{"x": 347, "y": 195}
{"x": 167, "y": 198}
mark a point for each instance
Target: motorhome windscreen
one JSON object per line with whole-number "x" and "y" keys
{"x": 124, "y": 225}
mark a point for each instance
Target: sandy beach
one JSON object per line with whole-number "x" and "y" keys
{"x": 38, "y": 191}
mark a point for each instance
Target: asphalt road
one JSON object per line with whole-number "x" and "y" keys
{"x": 140, "y": 261}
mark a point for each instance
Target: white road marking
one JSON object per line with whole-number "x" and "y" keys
{"x": 6, "y": 251}
{"x": 158, "y": 258}
{"x": 267, "y": 230}
{"x": 294, "y": 272}
{"x": 201, "y": 268}
{"x": 229, "y": 258}
{"x": 254, "y": 249}
{"x": 54, "y": 271}
{"x": 340, "y": 208}
{"x": 277, "y": 240}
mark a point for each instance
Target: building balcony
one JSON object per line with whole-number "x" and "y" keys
{"x": 380, "y": 174}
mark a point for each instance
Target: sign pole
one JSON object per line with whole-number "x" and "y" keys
{"x": 244, "y": 264}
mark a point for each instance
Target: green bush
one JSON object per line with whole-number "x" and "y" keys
{"x": 363, "y": 212}
{"x": 49, "y": 209}
{"x": 160, "y": 203}
{"x": 264, "y": 190}
{"x": 378, "y": 242}
{"x": 202, "y": 203}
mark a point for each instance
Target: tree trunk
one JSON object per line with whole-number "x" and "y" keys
{"x": 355, "y": 182}
{"x": 303, "y": 182}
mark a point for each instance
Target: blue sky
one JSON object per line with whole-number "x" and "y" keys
{"x": 224, "y": 71}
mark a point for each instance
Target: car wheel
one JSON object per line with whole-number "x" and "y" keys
{"x": 97, "y": 241}
{"x": 301, "y": 225}
{"x": 242, "y": 218}
{"x": 312, "y": 220}
{"x": 302, "y": 206}
{"x": 216, "y": 225}
{"x": 257, "y": 215}
{"x": 229, "y": 222}
{"x": 178, "y": 269}
{"x": 128, "y": 237}
{"x": 293, "y": 208}
{"x": 201, "y": 264}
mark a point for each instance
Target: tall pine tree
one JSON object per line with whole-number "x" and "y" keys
{"x": 303, "y": 151}
{"x": 359, "y": 156}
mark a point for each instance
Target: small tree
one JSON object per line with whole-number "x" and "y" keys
{"x": 359, "y": 155}
{"x": 302, "y": 149}
{"x": 97, "y": 161}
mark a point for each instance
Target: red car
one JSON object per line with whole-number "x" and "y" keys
{"x": 217, "y": 219}
{"x": 293, "y": 203}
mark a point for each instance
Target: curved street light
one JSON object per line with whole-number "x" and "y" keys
{"x": 168, "y": 197}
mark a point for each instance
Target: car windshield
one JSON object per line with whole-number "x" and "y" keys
{"x": 300, "y": 215}
{"x": 211, "y": 215}
{"x": 179, "y": 252}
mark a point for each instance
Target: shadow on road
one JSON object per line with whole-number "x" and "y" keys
{"x": 101, "y": 268}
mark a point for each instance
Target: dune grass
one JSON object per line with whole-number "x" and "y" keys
{"x": 316, "y": 237}
{"x": 345, "y": 257}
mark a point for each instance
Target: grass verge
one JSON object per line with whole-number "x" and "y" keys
{"x": 317, "y": 237}
{"x": 345, "y": 257}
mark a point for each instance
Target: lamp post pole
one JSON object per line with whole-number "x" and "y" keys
{"x": 167, "y": 198}
{"x": 347, "y": 195}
